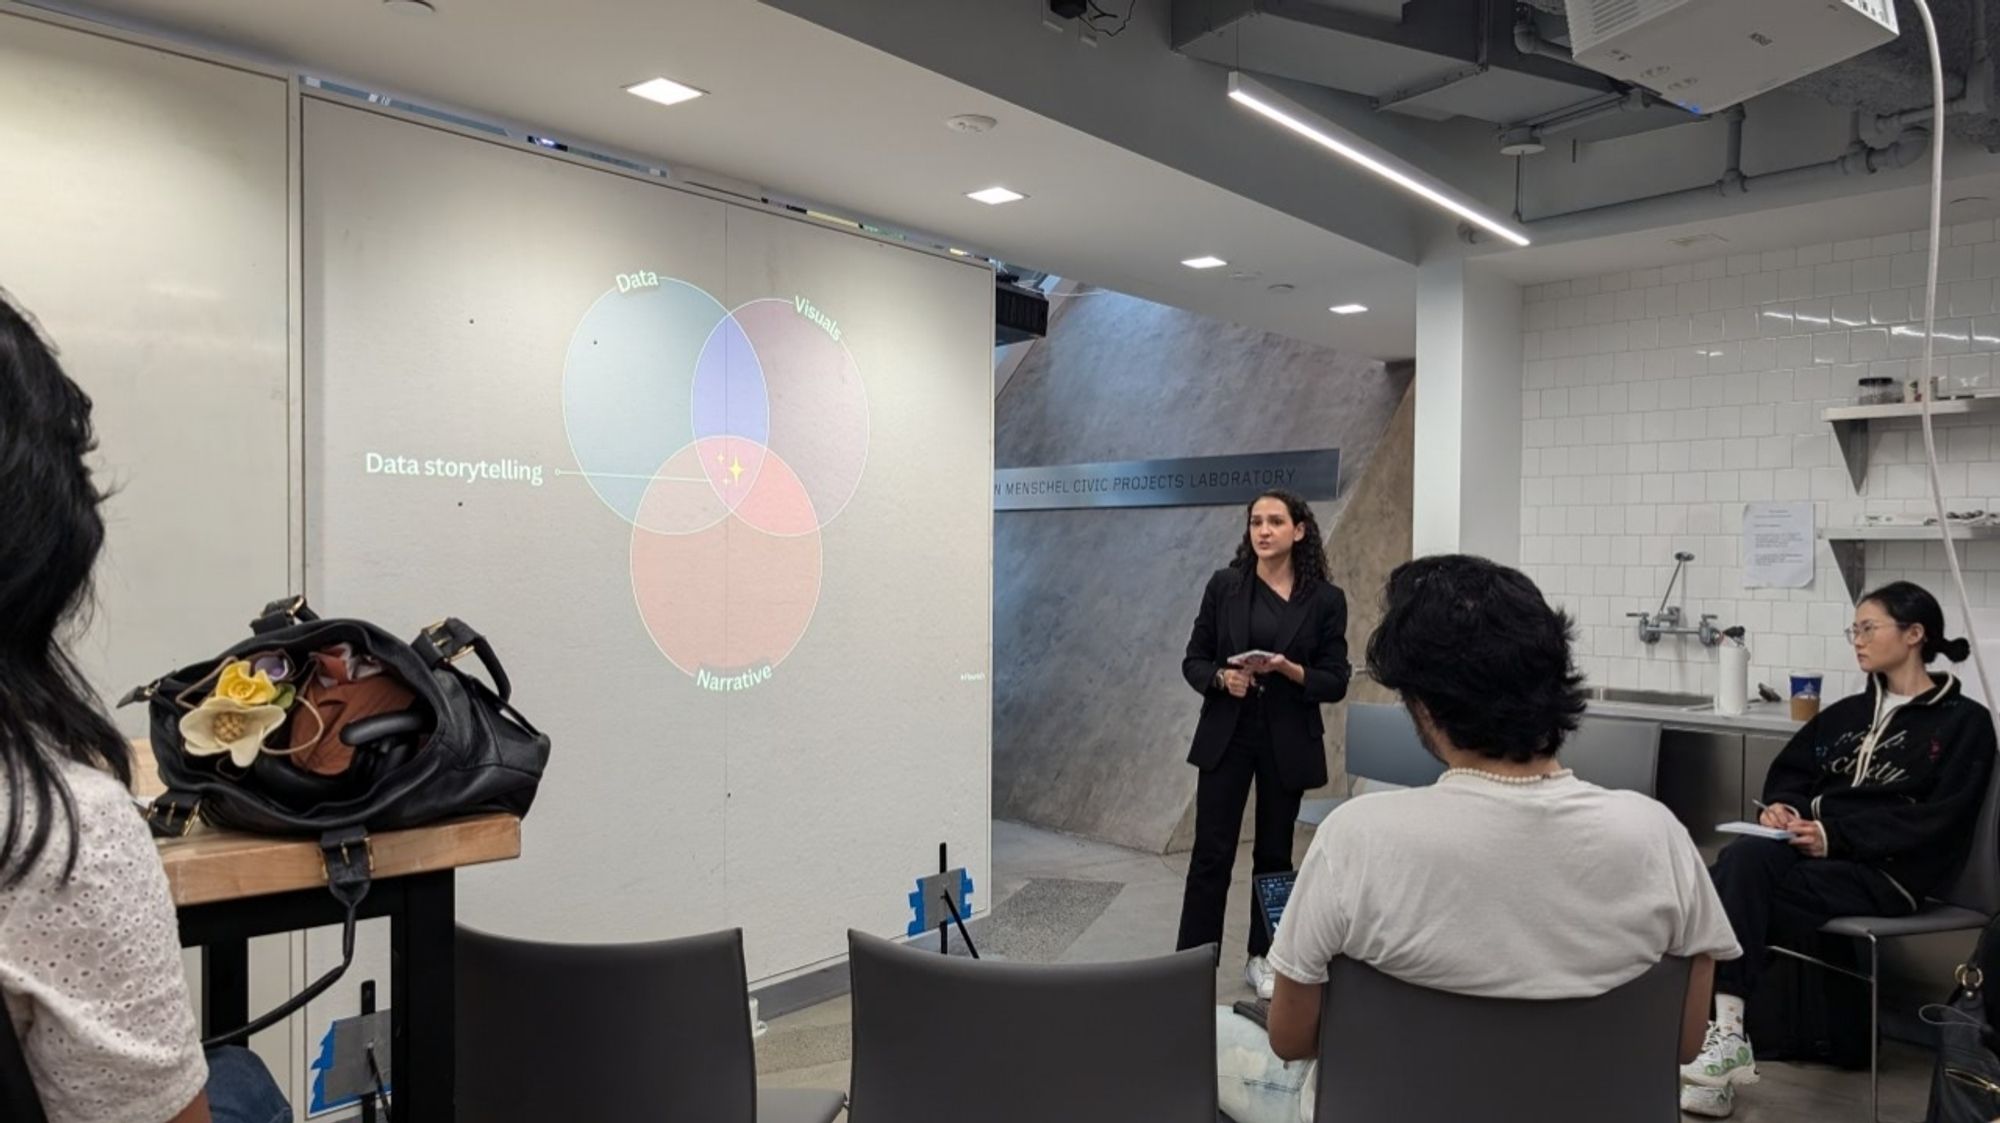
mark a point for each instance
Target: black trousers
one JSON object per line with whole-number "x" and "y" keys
{"x": 1772, "y": 892}
{"x": 1218, "y": 823}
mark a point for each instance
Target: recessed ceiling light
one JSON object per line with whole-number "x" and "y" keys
{"x": 420, "y": 7}
{"x": 970, "y": 123}
{"x": 1209, "y": 261}
{"x": 1347, "y": 309}
{"x": 994, "y": 196}
{"x": 666, "y": 91}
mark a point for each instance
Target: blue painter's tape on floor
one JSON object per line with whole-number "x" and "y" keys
{"x": 320, "y": 1065}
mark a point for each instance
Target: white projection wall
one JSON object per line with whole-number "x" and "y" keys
{"x": 717, "y": 484}
{"x": 143, "y": 217}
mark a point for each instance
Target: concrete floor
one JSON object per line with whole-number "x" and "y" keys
{"x": 809, "y": 1049}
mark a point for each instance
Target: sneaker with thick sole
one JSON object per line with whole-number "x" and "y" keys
{"x": 1714, "y": 1103}
{"x": 1261, "y": 978}
{"x": 1725, "y": 1060}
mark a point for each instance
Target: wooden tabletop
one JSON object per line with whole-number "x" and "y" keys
{"x": 209, "y": 865}
{"x": 214, "y": 865}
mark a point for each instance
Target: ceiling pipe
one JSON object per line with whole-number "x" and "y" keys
{"x": 1528, "y": 38}
{"x": 1860, "y": 159}
{"x": 1975, "y": 96}
{"x": 1540, "y": 129}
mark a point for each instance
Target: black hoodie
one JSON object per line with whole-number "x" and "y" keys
{"x": 1898, "y": 791}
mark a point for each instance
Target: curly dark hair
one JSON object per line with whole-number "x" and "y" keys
{"x": 1308, "y": 555}
{"x": 1480, "y": 649}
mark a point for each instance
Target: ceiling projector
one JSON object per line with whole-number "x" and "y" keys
{"x": 1705, "y": 55}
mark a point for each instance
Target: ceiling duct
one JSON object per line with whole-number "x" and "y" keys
{"x": 1434, "y": 59}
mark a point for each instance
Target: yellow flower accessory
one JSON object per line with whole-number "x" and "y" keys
{"x": 224, "y": 725}
{"x": 240, "y": 684}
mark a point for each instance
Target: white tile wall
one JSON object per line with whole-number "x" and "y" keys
{"x": 1657, "y": 402}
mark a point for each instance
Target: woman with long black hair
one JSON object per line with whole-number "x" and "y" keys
{"x": 90, "y": 965}
{"x": 1877, "y": 797}
{"x": 1269, "y": 648}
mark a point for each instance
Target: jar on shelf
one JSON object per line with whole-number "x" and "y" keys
{"x": 1878, "y": 392}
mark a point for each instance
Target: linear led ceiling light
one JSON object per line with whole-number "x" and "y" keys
{"x": 1249, "y": 92}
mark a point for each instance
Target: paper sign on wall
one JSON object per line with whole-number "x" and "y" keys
{"x": 1777, "y": 545}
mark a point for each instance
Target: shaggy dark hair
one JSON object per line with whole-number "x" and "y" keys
{"x": 52, "y": 535}
{"x": 1477, "y": 646}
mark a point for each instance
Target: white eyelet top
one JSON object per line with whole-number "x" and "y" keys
{"x": 91, "y": 970}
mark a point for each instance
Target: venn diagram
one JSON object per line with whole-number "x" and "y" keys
{"x": 728, "y": 439}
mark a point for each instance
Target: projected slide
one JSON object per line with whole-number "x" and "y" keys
{"x": 715, "y": 478}
{"x": 728, "y": 439}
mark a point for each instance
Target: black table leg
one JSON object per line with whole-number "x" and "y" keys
{"x": 424, "y": 976}
{"x": 225, "y": 986}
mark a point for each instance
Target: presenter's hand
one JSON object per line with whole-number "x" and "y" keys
{"x": 1236, "y": 682}
{"x": 1779, "y": 816}
{"x": 1809, "y": 838}
{"x": 1279, "y": 665}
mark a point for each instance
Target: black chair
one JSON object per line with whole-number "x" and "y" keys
{"x": 942, "y": 1038}
{"x": 1616, "y": 753}
{"x": 614, "y": 1032}
{"x": 1390, "y": 1050}
{"x": 19, "y": 1102}
{"x": 1382, "y": 744}
{"x": 1966, "y": 903}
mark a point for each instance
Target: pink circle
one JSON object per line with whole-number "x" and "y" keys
{"x": 729, "y": 596}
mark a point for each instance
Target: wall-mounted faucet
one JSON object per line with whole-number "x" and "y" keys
{"x": 1668, "y": 620}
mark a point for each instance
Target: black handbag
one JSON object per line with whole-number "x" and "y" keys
{"x": 460, "y": 749}
{"x": 1965, "y": 1082}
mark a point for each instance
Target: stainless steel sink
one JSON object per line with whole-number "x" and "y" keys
{"x": 1664, "y": 698}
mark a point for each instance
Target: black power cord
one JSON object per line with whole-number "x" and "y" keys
{"x": 1098, "y": 12}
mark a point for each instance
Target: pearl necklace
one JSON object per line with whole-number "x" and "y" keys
{"x": 1495, "y": 777}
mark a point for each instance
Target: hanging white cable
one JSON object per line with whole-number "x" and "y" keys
{"x": 1928, "y": 382}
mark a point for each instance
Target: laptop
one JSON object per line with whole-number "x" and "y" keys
{"x": 1274, "y": 892}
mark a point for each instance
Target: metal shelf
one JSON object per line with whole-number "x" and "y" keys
{"x": 1850, "y": 425}
{"x": 1849, "y": 544}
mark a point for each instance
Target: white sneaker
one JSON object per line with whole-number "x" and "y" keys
{"x": 1715, "y": 1103}
{"x": 1261, "y": 978}
{"x": 1725, "y": 1059}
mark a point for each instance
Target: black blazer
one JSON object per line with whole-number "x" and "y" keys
{"x": 1312, "y": 633}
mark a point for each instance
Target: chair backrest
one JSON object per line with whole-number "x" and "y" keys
{"x": 579, "y": 1031}
{"x": 19, "y": 1102}
{"x": 1615, "y": 753}
{"x": 938, "y": 1037}
{"x": 1389, "y": 1050}
{"x": 1382, "y": 744}
{"x": 1976, "y": 885}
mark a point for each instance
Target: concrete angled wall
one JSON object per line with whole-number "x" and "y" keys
{"x": 1092, "y": 607}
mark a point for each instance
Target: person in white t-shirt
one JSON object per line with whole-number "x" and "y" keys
{"x": 1509, "y": 877}
{"x": 90, "y": 966}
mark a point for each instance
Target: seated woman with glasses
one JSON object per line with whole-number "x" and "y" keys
{"x": 1879, "y": 794}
